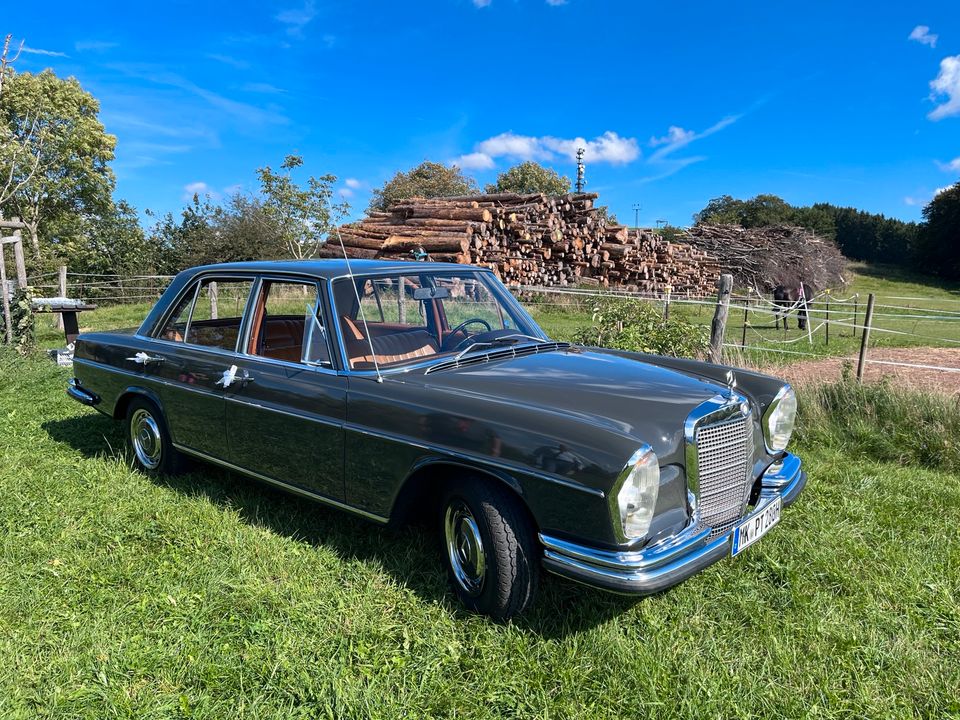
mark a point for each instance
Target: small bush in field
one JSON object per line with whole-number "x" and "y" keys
{"x": 638, "y": 326}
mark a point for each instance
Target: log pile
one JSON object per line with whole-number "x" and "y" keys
{"x": 531, "y": 239}
{"x": 765, "y": 257}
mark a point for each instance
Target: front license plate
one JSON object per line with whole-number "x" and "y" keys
{"x": 746, "y": 534}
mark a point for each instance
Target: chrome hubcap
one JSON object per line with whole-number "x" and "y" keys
{"x": 146, "y": 439}
{"x": 464, "y": 547}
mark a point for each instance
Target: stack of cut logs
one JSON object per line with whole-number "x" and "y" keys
{"x": 530, "y": 239}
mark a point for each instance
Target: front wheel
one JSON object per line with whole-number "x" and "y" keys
{"x": 153, "y": 452}
{"x": 490, "y": 548}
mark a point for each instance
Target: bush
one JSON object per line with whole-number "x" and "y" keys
{"x": 638, "y": 326}
{"x": 882, "y": 423}
{"x": 21, "y": 320}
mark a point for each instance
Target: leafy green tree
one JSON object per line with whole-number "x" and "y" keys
{"x": 604, "y": 212}
{"x": 939, "y": 241}
{"x": 427, "y": 180}
{"x": 530, "y": 177}
{"x": 724, "y": 210}
{"x": 303, "y": 215}
{"x": 54, "y": 154}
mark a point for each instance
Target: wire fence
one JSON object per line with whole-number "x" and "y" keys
{"x": 834, "y": 328}
{"x": 755, "y": 329}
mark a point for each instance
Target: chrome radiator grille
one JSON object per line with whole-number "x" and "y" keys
{"x": 724, "y": 454}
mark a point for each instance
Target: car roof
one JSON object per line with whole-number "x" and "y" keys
{"x": 335, "y": 268}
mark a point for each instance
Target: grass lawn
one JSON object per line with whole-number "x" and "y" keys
{"x": 210, "y": 596}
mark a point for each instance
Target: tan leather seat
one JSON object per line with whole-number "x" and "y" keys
{"x": 283, "y": 338}
{"x": 390, "y": 348}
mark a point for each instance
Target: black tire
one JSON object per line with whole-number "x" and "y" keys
{"x": 505, "y": 584}
{"x": 153, "y": 451}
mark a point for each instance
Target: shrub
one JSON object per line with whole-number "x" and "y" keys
{"x": 21, "y": 320}
{"x": 638, "y": 326}
{"x": 883, "y": 423}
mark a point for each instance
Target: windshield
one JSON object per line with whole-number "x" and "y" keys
{"x": 413, "y": 316}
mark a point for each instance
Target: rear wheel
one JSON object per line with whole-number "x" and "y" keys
{"x": 490, "y": 548}
{"x": 153, "y": 452}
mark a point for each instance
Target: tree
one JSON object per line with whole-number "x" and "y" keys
{"x": 55, "y": 152}
{"x": 427, "y": 180}
{"x": 939, "y": 241}
{"x": 530, "y": 177}
{"x": 302, "y": 215}
{"x": 724, "y": 210}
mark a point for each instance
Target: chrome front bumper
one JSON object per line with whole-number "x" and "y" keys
{"x": 669, "y": 561}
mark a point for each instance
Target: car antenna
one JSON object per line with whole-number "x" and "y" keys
{"x": 363, "y": 318}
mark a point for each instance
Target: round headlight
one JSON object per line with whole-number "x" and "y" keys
{"x": 637, "y": 493}
{"x": 779, "y": 419}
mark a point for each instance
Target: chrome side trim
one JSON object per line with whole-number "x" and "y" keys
{"x": 295, "y": 489}
{"x": 672, "y": 560}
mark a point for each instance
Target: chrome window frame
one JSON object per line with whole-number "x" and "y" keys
{"x": 248, "y": 321}
{"x": 193, "y": 284}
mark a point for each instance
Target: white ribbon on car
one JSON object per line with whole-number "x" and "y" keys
{"x": 229, "y": 376}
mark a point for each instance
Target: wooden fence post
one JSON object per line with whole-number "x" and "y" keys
{"x": 214, "y": 292}
{"x": 719, "y": 325}
{"x": 61, "y": 291}
{"x": 8, "y": 321}
{"x": 18, "y": 259}
{"x": 865, "y": 337}
{"x": 666, "y": 303}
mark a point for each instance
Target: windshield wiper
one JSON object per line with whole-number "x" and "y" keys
{"x": 502, "y": 340}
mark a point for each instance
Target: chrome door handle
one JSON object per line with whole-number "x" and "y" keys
{"x": 231, "y": 377}
{"x": 141, "y": 358}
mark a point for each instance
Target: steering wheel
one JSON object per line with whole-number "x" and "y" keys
{"x": 471, "y": 321}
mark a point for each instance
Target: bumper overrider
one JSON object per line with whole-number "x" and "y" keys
{"x": 670, "y": 561}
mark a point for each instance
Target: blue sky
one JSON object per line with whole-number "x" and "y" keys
{"x": 851, "y": 103}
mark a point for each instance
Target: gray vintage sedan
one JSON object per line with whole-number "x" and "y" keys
{"x": 396, "y": 389}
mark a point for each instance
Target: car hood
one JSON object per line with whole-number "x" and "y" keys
{"x": 631, "y": 397}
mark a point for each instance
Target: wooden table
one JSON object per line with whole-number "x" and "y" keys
{"x": 68, "y": 310}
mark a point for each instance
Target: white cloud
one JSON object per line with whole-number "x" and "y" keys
{"x": 606, "y": 148}
{"x": 481, "y": 3}
{"x": 40, "y": 51}
{"x": 521, "y": 147}
{"x": 674, "y": 135}
{"x": 555, "y": 3}
{"x": 229, "y": 60}
{"x": 678, "y": 137}
{"x": 198, "y": 188}
{"x": 296, "y": 19}
{"x": 352, "y": 183}
{"x": 232, "y": 189}
{"x": 474, "y": 161}
{"x": 946, "y": 83}
{"x": 952, "y": 166}
{"x": 345, "y": 192}
{"x": 922, "y": 34}
{"x": 264, "y": 88}
{"x": 940, "y": 190}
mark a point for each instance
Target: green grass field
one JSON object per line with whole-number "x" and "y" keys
{"x": 210, "y": 596}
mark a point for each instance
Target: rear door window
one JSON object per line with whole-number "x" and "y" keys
{"x": 209, "y": 314}
{"x": 288, "y": 325}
